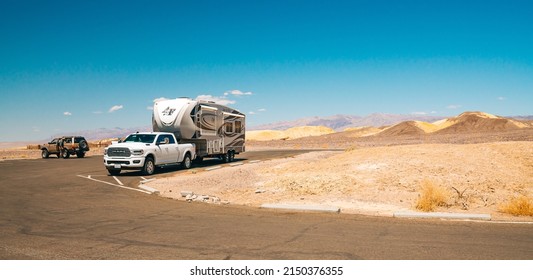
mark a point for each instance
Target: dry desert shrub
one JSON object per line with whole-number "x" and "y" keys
{"x": 431, "y": 197}
{"x": 518, "y": 206}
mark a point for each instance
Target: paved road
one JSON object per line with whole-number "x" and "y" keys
{"x": 47, "y": 211}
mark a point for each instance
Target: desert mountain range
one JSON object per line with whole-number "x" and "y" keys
{"x": 362, "y": 126}
{"x": 463, "y": 123}
{"x": 342, "y": 122}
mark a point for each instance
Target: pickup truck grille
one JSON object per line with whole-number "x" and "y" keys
{"x": 118, "y": 162}
{"x": 118, "y": 152}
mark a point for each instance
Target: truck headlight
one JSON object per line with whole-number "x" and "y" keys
{"x": 137, "y": 152}
{"x": 105, "y": 151}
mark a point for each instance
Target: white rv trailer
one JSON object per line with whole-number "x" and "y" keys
{"x": 216, "y": 130}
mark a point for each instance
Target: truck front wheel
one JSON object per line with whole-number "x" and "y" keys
{"x": 186, "y": 163}
{"x": 45, "y": 154}
{"x": 149, "y": 166}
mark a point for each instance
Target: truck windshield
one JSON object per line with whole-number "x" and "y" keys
{"x": 143, "y": 138}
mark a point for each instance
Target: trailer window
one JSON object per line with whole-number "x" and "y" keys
{"x": 238, "y": 127}
{"x": 229, "y": 127}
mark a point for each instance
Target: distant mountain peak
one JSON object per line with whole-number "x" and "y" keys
{"x": 341, "y": 122}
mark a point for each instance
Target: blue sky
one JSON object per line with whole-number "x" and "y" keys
{"x": 67, "y": 66}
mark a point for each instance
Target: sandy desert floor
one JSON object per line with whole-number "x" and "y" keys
{"x": 478, "y": 178}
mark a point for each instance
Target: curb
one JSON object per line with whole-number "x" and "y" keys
{"x": 148, "y": 189}
{"x": 441, "y": 215}
{"x": 307, "y": 208}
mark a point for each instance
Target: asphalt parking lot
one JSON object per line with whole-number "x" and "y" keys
{"x": 52, "y": 210}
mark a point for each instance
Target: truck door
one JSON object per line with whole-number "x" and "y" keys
{"x": 52, "y": 145}
{"x": 164, "y": 152}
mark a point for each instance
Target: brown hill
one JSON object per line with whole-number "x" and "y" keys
{"x": 463, "y": 123}
{"x": 410, "y": 128}
{"x": 478, "y": 122}
{"x": 361, "y": 131}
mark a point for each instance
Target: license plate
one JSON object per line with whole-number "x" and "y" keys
{"x": 117, "y": 166}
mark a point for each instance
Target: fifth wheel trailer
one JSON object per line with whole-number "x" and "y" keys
{"x": 215, "y": 129}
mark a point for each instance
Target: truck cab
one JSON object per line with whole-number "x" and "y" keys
{"x": 146, "y": 151}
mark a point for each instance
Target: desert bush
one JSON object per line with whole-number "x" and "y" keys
{"x": 518, "y": 206}
{"x": 431, "y": 196}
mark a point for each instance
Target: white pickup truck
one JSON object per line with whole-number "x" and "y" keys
{"x": 144, "y": 151}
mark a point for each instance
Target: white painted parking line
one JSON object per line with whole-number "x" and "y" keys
{"x": 144, "y": 179}
{"x": 254, "y": 161}
{"x": 236, "y": 164}
{"x": 111, "y": 184}
{"x": 147, "y": 180}
{"x": 118, "y": 181}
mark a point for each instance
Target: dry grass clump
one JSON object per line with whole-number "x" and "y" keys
{"x": 518, "y": 206}
{"x": 431, "y": 197}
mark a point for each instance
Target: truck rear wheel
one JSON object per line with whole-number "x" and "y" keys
{"x": 149, "y": 167}
{"x": 186, "y": 163}
{"x": 65, "y": 154}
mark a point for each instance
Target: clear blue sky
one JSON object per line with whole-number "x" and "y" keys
{"x": 67, "y": 66}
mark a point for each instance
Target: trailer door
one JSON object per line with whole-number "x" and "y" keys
{"x": 207, "y": 121}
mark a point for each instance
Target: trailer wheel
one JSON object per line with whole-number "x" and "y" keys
{"x": 149, "y": 167}
{"x": 225, "y": 157}
{"x": 186, "y": 163}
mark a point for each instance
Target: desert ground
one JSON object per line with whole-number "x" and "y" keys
{"x": 478, "y": 162}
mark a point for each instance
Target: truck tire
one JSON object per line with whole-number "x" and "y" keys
{"x": 65, "y": 154}
{"x": 113, "y": 172}
{"x": 83, "y": 145}
{"x": 149, "y": 166}
{"x": 45, "y": 153}
{"x": 231, "y": 155}
{"x": 186, "y": 163}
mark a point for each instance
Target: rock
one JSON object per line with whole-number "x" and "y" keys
{"x": 202, "y": 198}
{"x": 186, "y": 193}
{"x": 190, "y": 197}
